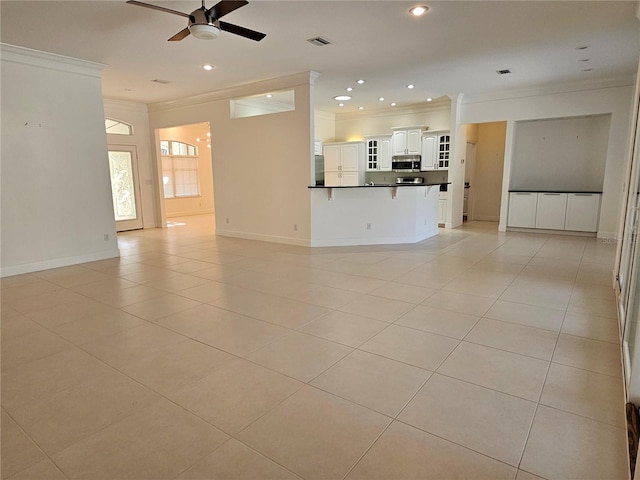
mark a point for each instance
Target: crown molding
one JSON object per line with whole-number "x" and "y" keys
{"x": 125, "y": 105}
{"x": 441, "y": 104}
{"x": 51, "y": 61}
{"x": 614, "y": 82}
{"x": 248, "y": 89}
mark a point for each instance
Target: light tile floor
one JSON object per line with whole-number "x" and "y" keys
{"x": 475, "y": 354}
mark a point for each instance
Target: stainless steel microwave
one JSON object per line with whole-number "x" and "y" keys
{"x": 405, "y": 163}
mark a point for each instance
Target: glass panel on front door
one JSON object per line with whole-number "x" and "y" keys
{"x": 122, "y": 186}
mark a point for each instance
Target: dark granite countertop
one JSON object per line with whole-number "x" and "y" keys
{"x": 384, "y": 185}
{"x": 554, "y": 191}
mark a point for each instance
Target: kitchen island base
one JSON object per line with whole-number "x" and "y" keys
{"x": 373, "y": 215}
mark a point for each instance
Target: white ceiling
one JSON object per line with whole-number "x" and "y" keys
{"x": 456, "y": 47}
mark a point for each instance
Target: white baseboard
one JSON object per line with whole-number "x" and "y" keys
{"x": 302, "y": 242}
{"x": 58, "y": 262}
{"x": 346, "y": 242}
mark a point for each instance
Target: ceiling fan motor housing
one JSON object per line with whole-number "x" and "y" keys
{"x": 202, "y": 26}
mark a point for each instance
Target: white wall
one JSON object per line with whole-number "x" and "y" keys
{"x": 560, "y": 154}
{"x": 55, "y": 189}
{"x": 137, "y": 115}
{"x": 594, "y": 100}
{"x": 262, "y": 164}
{"x": 487, "y": 182}
{"x": 325, "y": 126}
{"x": 202, "y": 204}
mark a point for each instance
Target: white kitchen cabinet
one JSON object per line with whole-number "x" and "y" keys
{"x": 317, "y": 147}
{"x": 407, "y": 141}
{"x": 444, "y": 149}
{"x": 522, "y": 209}
{"x": 429, "y": 146}
{"x": 344, "y": 164}
{"x": 436, "y": 148}
{"x": 583, "y": 211}
{"x": 550, "y": 210}
{"x": 378, "y": 154}
{"x": 442, "y": 208}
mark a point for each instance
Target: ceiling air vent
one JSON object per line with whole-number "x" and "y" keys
{"x": 163, "y": 82}
{"x": 319, "y": 41}
{"x": 503, "y": 72}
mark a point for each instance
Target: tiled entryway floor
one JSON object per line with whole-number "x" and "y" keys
{"x": 476, "y": 355}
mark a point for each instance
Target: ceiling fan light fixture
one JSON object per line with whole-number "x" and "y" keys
{"x": 204, "y": 32}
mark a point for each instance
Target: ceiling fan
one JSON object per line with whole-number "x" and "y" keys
{"x": 205, "y": 23}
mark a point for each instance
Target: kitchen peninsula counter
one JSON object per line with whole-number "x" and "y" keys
{"x": 373, "y": 214}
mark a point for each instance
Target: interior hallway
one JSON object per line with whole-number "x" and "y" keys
{"x": 475, "y": 354}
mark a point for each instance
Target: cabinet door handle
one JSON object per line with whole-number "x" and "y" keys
{"x": 551, "y": 194}
{"x": 583, "y": 194}
{"x": 522, "y": 193}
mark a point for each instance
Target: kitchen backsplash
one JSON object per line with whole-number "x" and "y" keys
{"x": 390, "y": 177}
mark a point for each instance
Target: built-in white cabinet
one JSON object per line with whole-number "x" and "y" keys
{"x": 577, "y": 212}
{"x": 407, "y": 141}
{"x": 550, "y": 211}
{"x": 583, "y": 211}
{"x": 344, "y": 164}
{"x": 378, "y": 153}
{"x": 436, "y": 148}
{"x": 522, "y": 209}
{"x": 428, "y": 155}
{"x": 444, "y": 149}
{"x": 442, "y": 208}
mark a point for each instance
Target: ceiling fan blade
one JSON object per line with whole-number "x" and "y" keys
{"x": 243, "y": 32}
{"x": 224, "y": 7}
{"x": 180, "y": 35}
{"x": 156, "y": 7}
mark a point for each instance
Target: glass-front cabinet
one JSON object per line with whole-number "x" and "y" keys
{"x": 378, "y": 153}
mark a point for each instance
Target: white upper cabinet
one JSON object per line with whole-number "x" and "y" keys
{"x": 429, "y": 147}
{"x": 407, "y": 141}
{"x": 378, "y": 153}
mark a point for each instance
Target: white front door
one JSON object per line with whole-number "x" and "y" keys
{"x": 125, "y": 187}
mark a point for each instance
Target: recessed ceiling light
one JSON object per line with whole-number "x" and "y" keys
{"x": 360, "y": 82}
{"x": 269, "y": 95}
{"x": 411, "y": 85}
{"x": 381, "y": 99}
{"x": 360, "y": 108}
{"x": 429, "y": 99}
{"x": 207, "y": 67}
{"x": 341, "y": 104}
{"x": 393, "y": 104}
{"x": 349, "y": 89}
{"x": 584, "y": 59}
{"x": 418, "y": 10}
{"x": 587, "y": 69}
{"x": 208, "y": 134}
{"x": 504, "y": 71}
{"x": 582, "y": 47}
{"x": 341, "y": 98}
